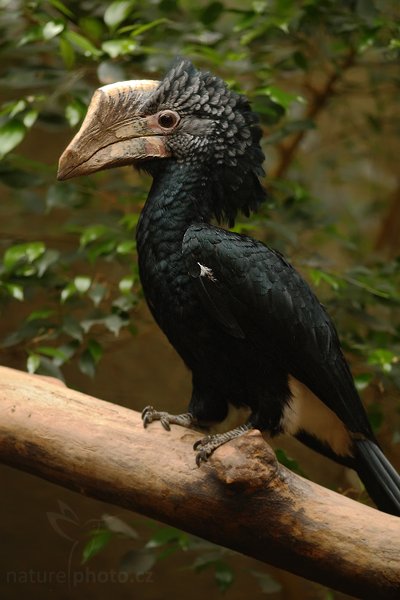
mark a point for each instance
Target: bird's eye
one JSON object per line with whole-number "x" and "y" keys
{"x": 168, "y": 119}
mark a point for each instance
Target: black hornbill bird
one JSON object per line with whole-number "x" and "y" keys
{"x": 243, "y": 320}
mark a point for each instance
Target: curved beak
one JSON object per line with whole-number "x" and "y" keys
{"x": 113, "y": 133}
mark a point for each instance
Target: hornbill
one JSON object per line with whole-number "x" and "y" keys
{"x": 243, "y": 320}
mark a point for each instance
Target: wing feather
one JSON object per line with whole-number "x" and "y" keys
{"x": 257, "y": 294}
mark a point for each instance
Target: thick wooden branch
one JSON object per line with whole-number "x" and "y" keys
{"x": 242, "y": 498}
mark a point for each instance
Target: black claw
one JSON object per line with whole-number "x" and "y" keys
{"x": 146, "y": 410}
{"x": 202, "y": 442}
{"x": 149, "y": 415}
{"x": 146, "y": 415}
{"x": 201, "y": 456}
{"x": 165, "y": 424}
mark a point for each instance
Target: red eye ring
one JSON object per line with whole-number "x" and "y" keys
{"x": 168, "y": 119}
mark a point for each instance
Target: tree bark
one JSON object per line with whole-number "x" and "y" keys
{"x": 242, "y": 498}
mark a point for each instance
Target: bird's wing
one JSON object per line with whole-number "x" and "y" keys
{"x": 252, "y": 291}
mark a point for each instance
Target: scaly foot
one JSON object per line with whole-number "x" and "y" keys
{"x": 149, "y": 414}
{"x": 208, "y": 444}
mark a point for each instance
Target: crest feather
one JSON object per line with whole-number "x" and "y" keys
{"x": 235, "y": 139}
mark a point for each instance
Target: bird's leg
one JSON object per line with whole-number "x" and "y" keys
{"x": 206, "y": 446}
{"x": 149, "y": 414}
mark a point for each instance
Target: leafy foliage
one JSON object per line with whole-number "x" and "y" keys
{"x": 163, "y": 543}
{"x": 64, "y": 50}
{"x": 323, "y": 76}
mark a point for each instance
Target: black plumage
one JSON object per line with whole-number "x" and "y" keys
{"x": 244, "y": 321}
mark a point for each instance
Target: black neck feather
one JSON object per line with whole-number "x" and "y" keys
{"x": 203, "y": 192}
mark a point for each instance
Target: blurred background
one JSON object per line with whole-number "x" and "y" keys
{"x": 324, "y": 77}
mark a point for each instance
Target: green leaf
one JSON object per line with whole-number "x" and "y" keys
{"x": 75, "y": 112}
{"x": 126, "y": 247}
{"x": 130, "y": 221}
{"x": 267, "y": 583}
{"x": 138, "y": 30}
{"x": 12, "y": 108}
{"x": 82, "y": 283}
{"x": 51, "y": 352}
{"x": 97, "y": 293}
{"x": 271, "y": 112}
{"x": 40, "y": 314}
{"x": 365, "y": 286}
{"x": 33, "y": 363}
{"x": 62, "y": 8}
{"x": 16, "y": 291}
{"x": 82, "y": 44}
{"x": 67, "y": 293}
{"x": 52, "y": 29}
{"x": 104, "y": 248}
{"x": 96, "y": 543}
{"x": 48, "y": 259}
{"x": 206, "y": 560}
{"x": 72, "y": 328}
{"x": 27, "y": 331}
{"x": 125, "y": 284}
{"x": 383, "y": 358}
{"x": 11, "y": 134}
{"x": 117, "y": 12}
{"x": 67, "y": 52}
{"x": 65, "y": 353}
{"x": 164, "y": 535}
{"x": 87, "y": 324}
{"x": 27, "y": 253}
{"x": 30, "y": 117}
{"x": 288, "y": 462}
{"x": 95, "y": 350}
{"x": 92, "y": 27}
{"x": 125, "y": 303}
{"x": 223, "y": 576}
{"x": 92, "y": 233}
{"x": 87, "y": 364}
{"x": 48, "y": 367}
{"x": 33, "y": 34}
{"x": 138, "y": 561}
{"x": 117, "y": 525}
{"x": 362, "y": 381}
{"x": 211, "y": 13}
{"x": 115, "y": 48}
{"x": 168, "y": 5}
{"x": 317, "y": 276}
{"x": 114, "y": 323}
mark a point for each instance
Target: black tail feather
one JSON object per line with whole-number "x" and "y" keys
{"x": 381, "y": 480}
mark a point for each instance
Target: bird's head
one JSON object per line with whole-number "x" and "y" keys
{"x": 190, "y": 117}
